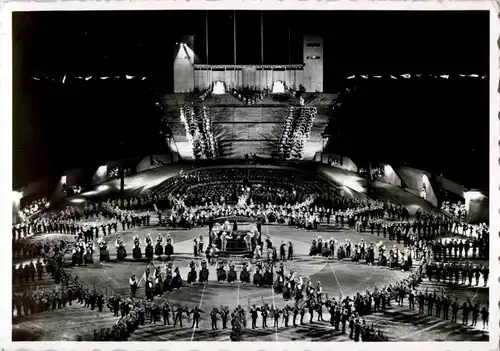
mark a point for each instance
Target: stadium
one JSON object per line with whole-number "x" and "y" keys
{"x": 264, "y": 188}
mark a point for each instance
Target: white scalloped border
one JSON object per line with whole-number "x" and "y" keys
{"x": 6, "y": 164}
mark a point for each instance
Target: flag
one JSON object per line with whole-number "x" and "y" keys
{"x": 103, "y": 78}
{"x": 445, "y": 76}
{"x": 129, "y": 77}
{"x": 364, "y": 77}
{"x": 87, "y": 78}
{"x": 351, "y": 77}
{"x": 473, "y": 75}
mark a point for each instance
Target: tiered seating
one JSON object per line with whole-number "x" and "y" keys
{"x": 296, "y": 132}
{"x": 225, "y": 185}
{"x": 198, "y": 126}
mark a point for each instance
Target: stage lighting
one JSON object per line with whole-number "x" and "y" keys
{"x": 77, "y": 201}
{"x": 101, "y": 171}
{"x": 473, "y": 195}
{"x": 16, "y": 196}
{"x": 102, "y": 188}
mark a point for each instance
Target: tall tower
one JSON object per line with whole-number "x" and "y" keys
{"x": 313, "y": 60}
{"x": 184, "y": 66}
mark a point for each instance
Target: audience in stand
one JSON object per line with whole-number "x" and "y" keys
{"x": 455, "y": 209}
{"x": 34, "y": 207}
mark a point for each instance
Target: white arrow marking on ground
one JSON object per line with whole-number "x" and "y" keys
{"x": 201, "y": 301}
{"x": 333, "y": 271}
{"x": 335, "y": 276}
{"x": 238, "y": 296}
{"x": 274, "y": 306}
{"x": 423, "y": 330}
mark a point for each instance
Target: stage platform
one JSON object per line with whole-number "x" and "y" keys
{"x": 252, "y": 129}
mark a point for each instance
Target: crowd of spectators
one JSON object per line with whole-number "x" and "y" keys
{"x": 34, "y": 207}
{"x": 456, "y": 209}
{"x": 296, "y": 132}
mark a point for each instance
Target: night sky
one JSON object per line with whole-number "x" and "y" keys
{"x": 57, "y": 126}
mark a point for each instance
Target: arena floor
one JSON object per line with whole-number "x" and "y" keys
{"x": 337, "y": 278}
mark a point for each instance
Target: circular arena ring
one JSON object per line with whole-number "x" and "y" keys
{"x": 200, "y": 192}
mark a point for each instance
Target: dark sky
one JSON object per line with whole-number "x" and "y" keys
{"x": 141, "y": 43}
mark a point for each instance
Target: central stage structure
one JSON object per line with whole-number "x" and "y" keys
{"x": 188, "y": 75}
{"x": 242, "y": 129}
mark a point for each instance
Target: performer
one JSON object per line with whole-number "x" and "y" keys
{"x": 88, "y": 252}
{"x": 167, "y": 283}
{"x": 200, "y": 244}
{"x": 244, "y": 274}
{"x": 177, "y": 280}
{"x": 257, "y": 277}
{"x": 159, "y": 245}
{"x": 165, "y": 311}
{"x": 158, "y": 283}
{"x": 195, "y": 247}
{"x": 248, "y": 241}
{"x": 133, "y": 285}
{"x": 136, "y": 251}
{"x": 121, "y": 253}
{"x": 319, "y": 291}
{"x": 75, "y": 256}
{"x": 103, "y": 250}
{"x": 179, "y": 314}
{"x": 221, "y": 272}
{"x": 196, "y": 312}
{"x": 149, "y": 289}
{"x": 204, "y": 272}
{"x": 149, "y": 247}
{"x": 213, "y": 317}
{"x": 169, "y": 248}
{"x": 192, "y": 273}
{"x": 257, "y": 253}
{"x": 231, "y": 277}
{"x": 268, "y": 276}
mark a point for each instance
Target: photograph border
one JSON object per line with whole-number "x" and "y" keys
{"x": 315, "y": 5}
